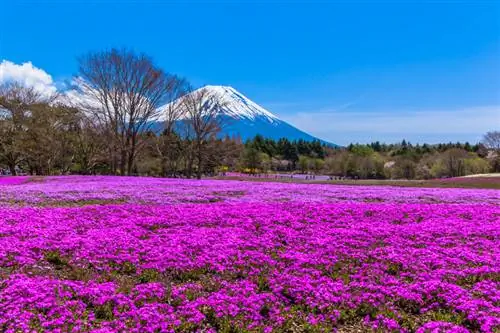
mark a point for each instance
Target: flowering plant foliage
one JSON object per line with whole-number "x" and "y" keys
{"x": 113, "y": 254}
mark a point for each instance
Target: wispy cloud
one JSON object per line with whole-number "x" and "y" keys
{"x": 27, "y": 75}
{"x": 343, "y": 107}
{"x": 342, "y": 126}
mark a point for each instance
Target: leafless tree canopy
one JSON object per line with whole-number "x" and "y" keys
{"x": 492, "y": 140}
{"x": 123, "y": 91}
{"x": 202, "y": 122}
{"x": 172, "y": 112}
{"x": 17, "y": 105}
{"x": 202, "y": 111}
{"x": 16, "y": 99}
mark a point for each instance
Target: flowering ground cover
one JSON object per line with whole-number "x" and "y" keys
{"x": 116, "y": 254}
{"x": 6, "y": 180}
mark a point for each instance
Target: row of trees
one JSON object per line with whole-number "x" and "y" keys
{"x": 380, "y": 161}
{"x": 125, "y": 115}
{"x": 374, "y": 160}
{"x": 289, "y": 150}
{"x": 453, "y": 162}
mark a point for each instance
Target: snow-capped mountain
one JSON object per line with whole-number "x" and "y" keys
{"x": 237, "y": 105}
{"x": 246, "y": 119}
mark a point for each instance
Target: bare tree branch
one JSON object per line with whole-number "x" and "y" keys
{"x": 492, "y": 140}
{"x": 123, "y": 91}
{"x": 202, "y": 111}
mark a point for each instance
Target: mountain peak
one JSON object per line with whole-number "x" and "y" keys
{"x": 237, "y": 105}
{"x": 249, "y": 118}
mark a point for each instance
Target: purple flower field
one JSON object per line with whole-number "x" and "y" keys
{"x": 118, "y": 254}
{"x": 12, "y": 180}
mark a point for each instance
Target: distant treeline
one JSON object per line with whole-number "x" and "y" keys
{"x": 291, "y": 150}
{"x": 375, "y": 160}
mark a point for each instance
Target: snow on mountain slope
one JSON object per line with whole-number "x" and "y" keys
{"x": 235, "y": 104}
{"x": 246, "y": 119}
{"x": 238, "y": 105}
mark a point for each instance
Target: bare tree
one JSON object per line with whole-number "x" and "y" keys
{"x": 49, "y": 135}
{"x": 123, "y": 91}
{"x": 492, "y": 140}
{"x": 168, "y": 145}
{"x": 454, "y": 161}
{"x": 202, "y": 112}
{"x": 169, "y": 148}
{"x": 16, "y": 102}
{"x": 89, "y": 145}
{"x": 173, "y": 111}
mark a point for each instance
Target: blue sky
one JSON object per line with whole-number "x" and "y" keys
{"x": 345, "y": 71}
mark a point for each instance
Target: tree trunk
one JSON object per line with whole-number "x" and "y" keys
{"x": 123, "y": 162}
{"x": 131, "y": 155}
{"x": 189, "y": 167}
{"x": 12, "y": 168}
{"x": 130, "y": 163}
{"x": 200, "y": 163}
{"x": 113, "y": 159}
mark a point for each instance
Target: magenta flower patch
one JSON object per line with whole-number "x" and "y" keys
{"x": 117, "y": 254}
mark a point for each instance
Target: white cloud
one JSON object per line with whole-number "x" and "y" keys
{"x": 27, "y": 75}
{"x": 418, "y": 126}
